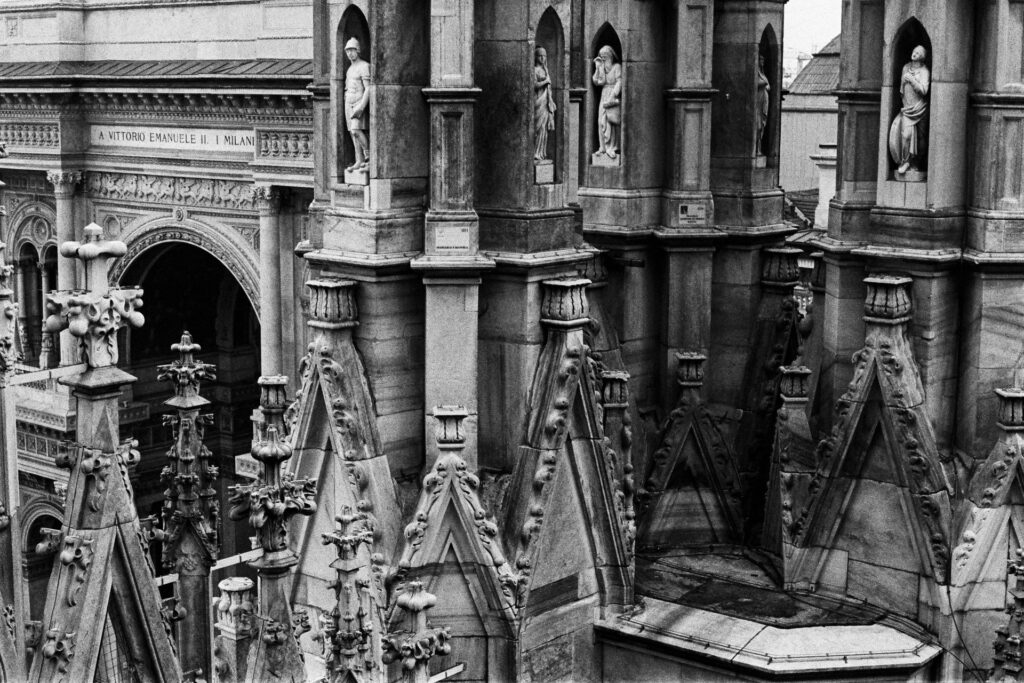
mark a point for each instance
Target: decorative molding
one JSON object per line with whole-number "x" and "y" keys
{"x": 45, "y": 135}
{"x": 236, "y": 258}
{"x": 195, "y": 192}
{"x": 285, "y": 145}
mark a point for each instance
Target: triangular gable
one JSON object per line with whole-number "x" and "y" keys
{"x": 694, "y": 467}
{"x": 564, "y": 429}
{"x": 450, "y": 519}
{"x": 100, "y": 572}
{"x": 885, "y": 393}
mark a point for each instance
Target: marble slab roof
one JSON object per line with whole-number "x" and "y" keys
{"x": 301, "y": 69}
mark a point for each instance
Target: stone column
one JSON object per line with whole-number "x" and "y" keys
{"x": 64, "y": 184}
{"x": 45, "y": 340}
{"x": 825, "y": 160}
{"x": 451, "y": 263}
{"x": 268, "y": 200}
{"x": 10, "y": 519}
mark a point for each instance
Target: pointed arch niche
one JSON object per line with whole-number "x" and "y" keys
{"x": 551, "y": 37}
{"x": 908, "y": 36}
{"x": 606, "y": 35}
{"x": 768, "y": 49}
{"x": 353, "y": 24}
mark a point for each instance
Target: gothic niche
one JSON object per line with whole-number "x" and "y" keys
{"x": 766, "y": 89}
{"x": 911, "y": 80}
{"x": 607, "y": 96}
{"x": 546, "y": 93}
{"x": 353, "y": 78}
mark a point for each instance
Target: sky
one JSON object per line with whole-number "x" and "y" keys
{"x": 810, "y": 24}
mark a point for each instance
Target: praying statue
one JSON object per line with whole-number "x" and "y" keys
{"x": 608, "y": 75}
{"x": 543, "y": 104}
{"x": 357, "y": 104}
{"x": 764, "y": 88}
{"x": 908, "y": 134}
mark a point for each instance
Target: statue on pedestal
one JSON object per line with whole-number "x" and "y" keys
{"x": 357, "y": 101}
{"x": 908, "y": 135}
{"x": 543, "y": 105}
{"x": 608, "y": 75}
{"x": 764, "y": 89}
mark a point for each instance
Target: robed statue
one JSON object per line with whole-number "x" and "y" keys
{"x": 543, "y": 104}
{"x": 908, "y": 135}
{"x": 608, "y": 75}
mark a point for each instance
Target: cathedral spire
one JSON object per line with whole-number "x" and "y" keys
{"x": 191, "y": 514}
{"x": 270, "y": 503}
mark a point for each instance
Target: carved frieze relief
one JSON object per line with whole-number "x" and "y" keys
{"x": 200, "y": 192}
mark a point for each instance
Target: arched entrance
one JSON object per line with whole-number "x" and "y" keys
{"x": 187, "y": 288}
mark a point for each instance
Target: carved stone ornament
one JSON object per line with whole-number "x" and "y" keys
{"x": 608, "y": 77}
{"x": 332, "y": 304}
{"x": 908, "y": 137}
{"x": 95, "y": 315}
{"x": 414, "y": 650}
{"x": 357, "y": 104}
{"x": 235, "y": 605}
{"x": 564, "y": 302}
{"x": 9, "y": 355}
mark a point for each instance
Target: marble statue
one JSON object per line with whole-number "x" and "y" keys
{"x": 357, "y": 101}
{"x": 764, "y": 89}
{"x": 543, "y": 104}
{"x": 608, "y": 75}
{"x": 907, "y": 137}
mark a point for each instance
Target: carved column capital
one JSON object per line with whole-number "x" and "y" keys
{"x": 780, "y": 266}
{"x": 794, "y": 384}
{"x": 332, "y": 304}
{"x": 235, "y": 607}
{"x": 888, "y": 299}
{"x": 449, "y": 429}
{"x": 1011, "y": 409}
{"x": 267, "y": 198}
{"x": 64, "y": 182}
{"x": 564, "y": 302}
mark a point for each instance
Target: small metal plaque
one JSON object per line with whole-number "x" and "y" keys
{"x": 693, "y": 214}
{"x": 451, "y": 238}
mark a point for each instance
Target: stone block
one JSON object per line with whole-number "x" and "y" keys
{"x": 400, "y": 133}
{"x": 882, "y": 586}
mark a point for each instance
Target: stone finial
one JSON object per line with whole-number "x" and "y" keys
{"x": 1009, "y": 656}
{"x": 780, "y": 266}
{"x": 448, "y": 428}
{"x": 888, "y": 299}
{"x": 794, "y": 382}
{"x": 332, "y": 304}
{"x": 276, "y": 496}
{"x": 1011, "y": 409}
{"x": 564, "y": 302}
{"x": 95, "y": 315}
{"x": 235, "y": 606}
{"x": 415, "y": 649}
{"x": 348, "y": 628}
{"x": 186, "y": 373}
